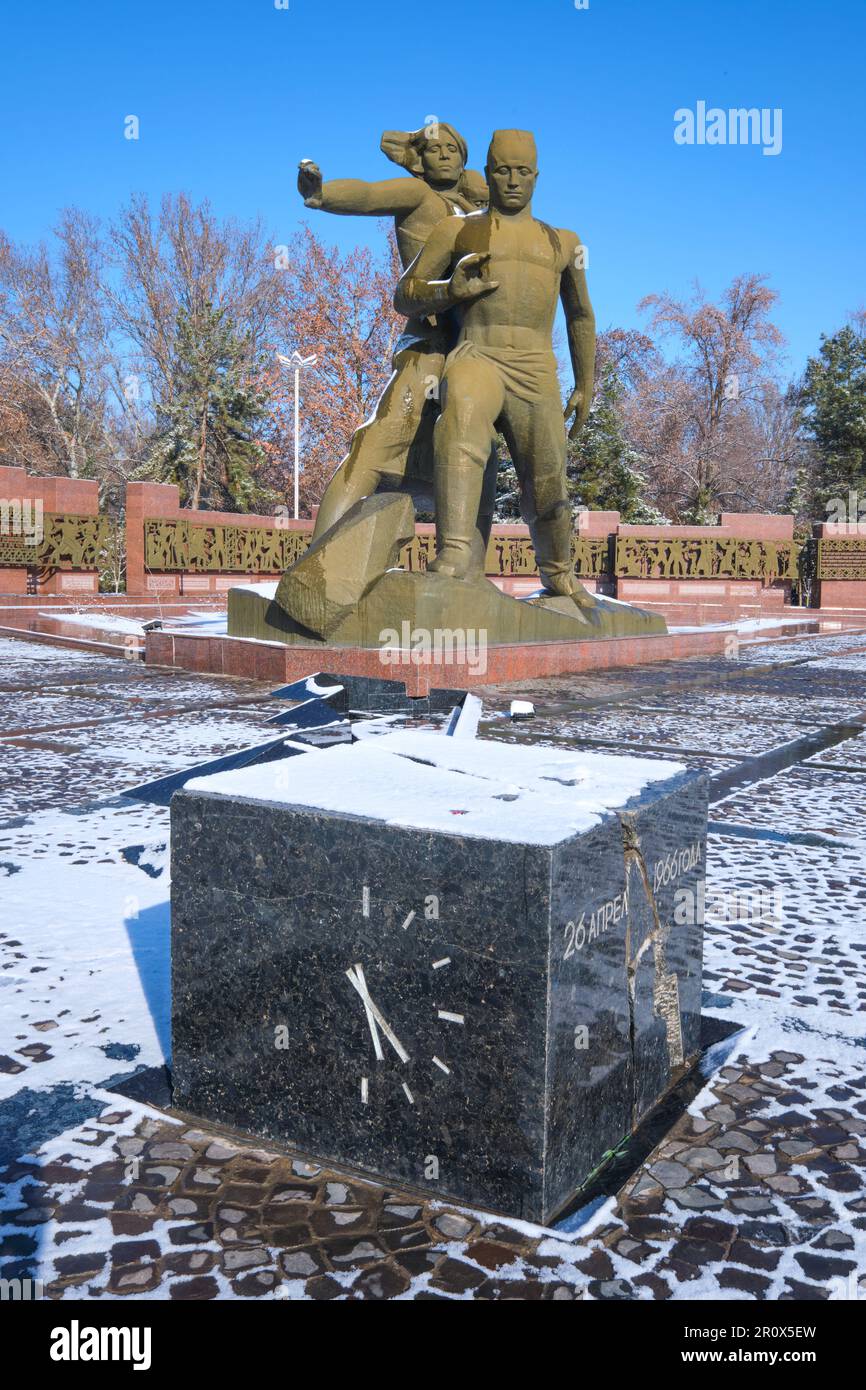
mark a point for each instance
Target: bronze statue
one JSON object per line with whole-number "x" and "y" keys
{"x": 482, "y": 335}
{"x": 396, "y": 443}
{"x": 501, "y": 272}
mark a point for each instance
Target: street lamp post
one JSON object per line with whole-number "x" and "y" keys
{"x": 297, "y": 363}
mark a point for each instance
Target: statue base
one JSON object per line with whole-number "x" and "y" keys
{"x": 401, "y": 604}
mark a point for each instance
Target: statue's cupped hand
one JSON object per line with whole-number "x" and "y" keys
{"x": 310, "y": 182}
{"x": 467, "y": 279}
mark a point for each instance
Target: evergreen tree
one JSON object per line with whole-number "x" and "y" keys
{"x": 204, "y": 441}
{"x": 604, "y": 469}
{"x": 507, "y": 488}
{"x": 835, "y": 398}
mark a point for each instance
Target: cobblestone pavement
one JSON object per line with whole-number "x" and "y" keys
{"x": 752, "y": 1189}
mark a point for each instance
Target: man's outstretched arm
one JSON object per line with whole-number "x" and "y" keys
{"x": 580, "y": 327}
{"x": 356, "y": 197}
{"x": 420, "y": 290}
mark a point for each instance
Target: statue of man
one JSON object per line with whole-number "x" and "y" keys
{"x": 397, "y": 440}
{"x": 501, "y": 272}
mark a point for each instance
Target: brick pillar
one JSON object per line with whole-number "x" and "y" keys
{"x": 145, "y": 502}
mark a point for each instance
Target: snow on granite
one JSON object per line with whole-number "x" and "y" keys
{"x": 99, "y": 622}
{"x": 471, "y": 787}
{"x": 267, "y": 588}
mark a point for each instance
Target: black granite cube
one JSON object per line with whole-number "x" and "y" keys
{"x": 476, "y": 1016}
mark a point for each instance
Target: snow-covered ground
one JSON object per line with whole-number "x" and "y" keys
{"x": 84, "y": 997}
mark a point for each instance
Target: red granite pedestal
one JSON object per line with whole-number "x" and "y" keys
{"x": 277, "y": 662}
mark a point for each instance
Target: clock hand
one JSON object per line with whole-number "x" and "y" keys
{"x": 358, "y": 981}
{"x": 371, "y": 1022}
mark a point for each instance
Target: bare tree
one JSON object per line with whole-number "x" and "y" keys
{"x": 698, "y": 407}
{"x": 54, "y": 350}
{"x": 185, "y": 260}
{"x": 339, "y": 307}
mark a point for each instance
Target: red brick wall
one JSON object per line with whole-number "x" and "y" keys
{"x": 74, "y": 496}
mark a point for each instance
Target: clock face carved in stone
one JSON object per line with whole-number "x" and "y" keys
{"x": 415, "y": 1057}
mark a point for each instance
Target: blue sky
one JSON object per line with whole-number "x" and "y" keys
{"x": 230, "y": 94}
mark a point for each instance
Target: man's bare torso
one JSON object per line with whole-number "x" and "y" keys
{"x": 527, "y": 258}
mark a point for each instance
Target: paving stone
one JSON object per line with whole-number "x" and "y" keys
{"x": 758, "y": 1205}
{"x": 131, "y": 1279}
{"x": 171, "y": 1151}
{"x": 301, "y": 1263}
{"x": 189, "y": 1262}
{"x": 645, "y": 1187}
{"x": 127, "y": 1252}
{"x": 786, "y": 1184}
{"x": 658, "y": 1287}
{"x": 762, "y": 1165}
{"x": 709, "y": 1228}
{"x": 833, "y": 1240}
{"x": 17, "y": 1245}
{"x": 768, "y": 1232}
{"x": 399, "y": 1215}
{"x": 184, "y": 1206}
{"x": 734, "y": 1139}
{"x": 795, "y": 1148}
{"x": 491, "y": 1255}
{"x": 697, "y": 1198}
{"x": 161, "y": 1175}
{"x": 457, "y": 1276}
{"x": 650, "y": 1227}
{"x": 306, "y": 1170}
{"x": 597, "y": 1266}
{"x": 453, "y": 1226}
{"x": 220, "y": 1152}
{"x": 324, "y": 1221}
{"x": 798, "y": 1291}
{"x": 323, "y": 1286}
{"x": 131, "y": 1223}
{"x": 670, "y": 1174}
{"x": 350, "y": 1251}
{"x": 746, "y": 1280}
{"x": 415, "y": 1262}
{"x": 405, "y": 1238}
{"x": 701, "y": 1160}
{"x": 288, "y": 1237}
{"x": 255, "y": 1285}
{"x": 90, "y": 1263}
{"x": 696, "y": 1252}
{"x": 379, "y": 1282}
{"x": 613, "y": 1289}
{"x": 204, "y": 1287}
{"x": 823, "y": 1268}
{"x": 294, "y": 1192}
{"x": 510, "y": 1290}
{"x": 244, "y": 1259}
{"x": 191, "y": 1235}
{"x": 744, "y": 1253}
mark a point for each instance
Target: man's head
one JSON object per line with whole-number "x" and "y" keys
{"x": 512, "y": 169}
{"x": 436, "y": 153}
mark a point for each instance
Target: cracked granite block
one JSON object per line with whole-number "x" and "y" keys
{"x": 464, "y": 969}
